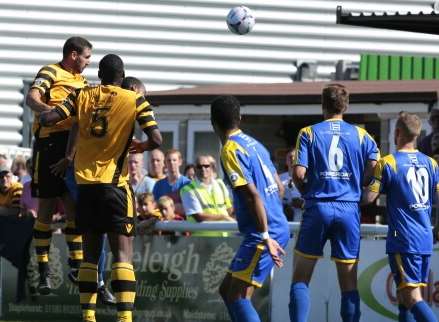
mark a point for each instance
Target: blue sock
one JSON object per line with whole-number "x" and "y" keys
{"x": 350, "y": 306}
{"x": 230, "y": 310}
{"x": 422, "y": 312}
{"x": 243, "y": 311}
{"x": 405, "y": 315}
{"x": 299, "y": 302}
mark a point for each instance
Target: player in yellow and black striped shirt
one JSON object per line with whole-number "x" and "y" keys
{"x": 53, "y": 83}
{"x": 106, "y": 116}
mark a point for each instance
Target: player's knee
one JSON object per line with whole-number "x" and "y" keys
{"x": 408, "y": 298}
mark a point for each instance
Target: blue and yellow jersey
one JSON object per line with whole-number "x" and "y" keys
{"x": 410, "y": 179}
{"x": 244, "y": 161}
{"x": 335, "y": 154}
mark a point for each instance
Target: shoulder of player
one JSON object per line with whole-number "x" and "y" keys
{"x": 231, "y": 146}
{"x": 388, "y": 160}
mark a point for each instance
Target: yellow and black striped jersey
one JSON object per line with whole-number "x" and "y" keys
{"x": 106, "y": 115}
{"x": 11, "y": 198}
{"x": 54, "y": 84}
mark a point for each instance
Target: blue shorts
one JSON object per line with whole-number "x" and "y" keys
{"x": 253, "y": 263}
{"x": 337, "y": 221}
{"x": 409, "y": 270}
{"x": 70, "y": 181}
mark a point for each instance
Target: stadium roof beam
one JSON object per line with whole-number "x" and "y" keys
{"x": 427, "y": 23}
{"x": 377, "y": 92}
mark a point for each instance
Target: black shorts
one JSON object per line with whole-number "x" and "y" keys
{"x": 46, "y": 152}
{"x": 104, "y": 208}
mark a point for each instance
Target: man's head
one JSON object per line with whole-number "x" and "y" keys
{"x": 335, "y": 99}
{"x": 156, "y": 164}
{"x": 146, "y": 203}
{"x": 77, "y": 53}
{"x": 167, "y": 207}
{"x": 434, "y": 119}
{"x": 225, "y": 113}
{"x": 111, "y": 69}
{"x": 173, "y": 161}
{"x": 189, "y": 171}
{"x": 135, "y": 164}
{"x": 407, "y": 129}
{"x": 205, "y": 168}
{"x": 133, "y": 84}
{"x": 289, "y": 159}
{"x": 6, "y": 178}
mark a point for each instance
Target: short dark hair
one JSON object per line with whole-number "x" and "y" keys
{"x": 129, "y": 82}
{"x": 335, "y": 98}
{"x": 77, "y": 44}
{"x": 409, "y": 124}
{"x": 111, "y": 68}
{"x": 225, "y": 112}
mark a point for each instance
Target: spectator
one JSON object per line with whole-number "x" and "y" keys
{"x": 156, "y": 165}
{"x": 292, "y": 200}
{"x": 147, "y": 206}
{"x": 429, "y": 145}
{"x": 10, "y": 193}
{"x": 19, "y": 169}
{"x": 167, "y": 209}
{"x": 173, "y": 182}
{"x": 148, "y": 213}
{"x": 189, "y": 171}
{"x": 4, "y": 161}
{"x": 139, "y": 180}
{"x": 206, "y": 198}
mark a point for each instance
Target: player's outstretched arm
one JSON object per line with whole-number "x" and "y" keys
{"x": 60, "y": 167}
{"x": 256, "y": 207}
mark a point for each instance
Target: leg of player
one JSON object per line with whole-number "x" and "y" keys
{"x": 88, "y": 276}
{"x": 104, "y": 294}
{"x": 350, "y": 298}
{"x": 123, "y": 279}
{"x": 73, "y": 238}
{"x": 303, "y": 269}
{"x": 42, "y": 236}
{"x": 412, "y": 299}
{"x": 404, "y": 314}
{"x": 237, "y": 298}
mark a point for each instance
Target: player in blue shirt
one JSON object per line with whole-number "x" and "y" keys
{"x": 257, "y": 201}
{"x": 410, "y": 180}
{"x": 334, "y": 159}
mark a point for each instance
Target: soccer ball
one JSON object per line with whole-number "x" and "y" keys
{"x": 240, "y": 20}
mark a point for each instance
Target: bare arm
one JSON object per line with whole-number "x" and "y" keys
{"x": 153, "y": 142}
{"x": 299, "y": 178}
{"x": 368, "y": 196}
{"x": 208, "y": 217}
{"x": 35, "y": 101}
{"x": 60, "y": 167}
{"x": 50, "y": 118}
{"x": 368, "y": 172}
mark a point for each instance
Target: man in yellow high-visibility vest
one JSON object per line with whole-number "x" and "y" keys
{"x": 206, "y": 198}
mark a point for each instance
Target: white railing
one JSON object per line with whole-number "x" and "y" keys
{"x": 367, "y": 230}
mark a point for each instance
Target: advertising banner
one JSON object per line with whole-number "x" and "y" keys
{"x": 177, "y": 280}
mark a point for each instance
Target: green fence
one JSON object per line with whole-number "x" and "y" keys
{"x": 386, "y": 67}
